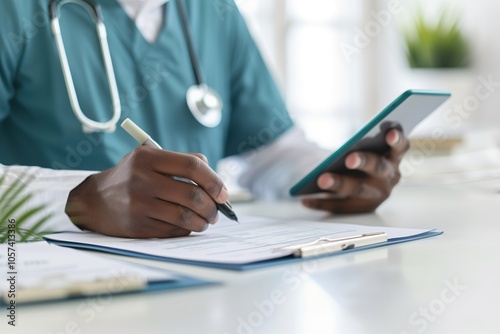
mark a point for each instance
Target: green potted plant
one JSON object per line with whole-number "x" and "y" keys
{"x": 16, "y": 215}
{"x": 436, "y": 45}
{"x": 438, "y": 55}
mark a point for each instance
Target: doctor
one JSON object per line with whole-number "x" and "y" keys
{"x": 98, "y": 179}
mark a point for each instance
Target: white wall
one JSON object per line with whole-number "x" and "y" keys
{"x": 300, "y": 41}
{"x": 377, "y": 72}
{"x": 390, "y": 74}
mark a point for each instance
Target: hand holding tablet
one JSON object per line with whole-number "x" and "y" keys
{"x": 403, "y": 115}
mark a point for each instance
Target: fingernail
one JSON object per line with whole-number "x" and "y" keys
{"x": 353, "y": 161}
{"x": 326, "y": 182}
{"x": 204, "y": 228}
{"x": 223, "y": 196}
{"x": 307, "y": 202}
{"x": 395, "y": 139}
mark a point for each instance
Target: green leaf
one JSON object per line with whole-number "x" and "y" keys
{"x": 35, "y": 232}
{"x": 439, "y": 45}
{"x": 11, "y": 193}
{"x": 14, "y": 202}
{"x": 12, "y": 209}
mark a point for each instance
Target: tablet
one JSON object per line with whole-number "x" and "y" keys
{"x": 404, "y": 113}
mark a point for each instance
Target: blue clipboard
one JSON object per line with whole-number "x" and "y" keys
{"x": 248, "y": 266}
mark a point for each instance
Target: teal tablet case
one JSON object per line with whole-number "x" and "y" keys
{"x": 404, "y": 113}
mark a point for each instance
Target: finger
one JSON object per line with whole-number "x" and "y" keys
{"x": 399, "y": 144}
{"x": 200, "y": 156}
{"x": 186, "y": 194}
{"x": 189, "y": 167}
{"x": 347, "y": 186}
{"x": 177, "y": 215}
{"x": 341, "y": 206}
{"x": 371, "y": 163}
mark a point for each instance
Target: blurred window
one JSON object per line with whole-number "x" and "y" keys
{"x": 301, "y": 42}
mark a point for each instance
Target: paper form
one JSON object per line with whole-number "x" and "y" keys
{"x": 255, "y": 239}
{"x": 42, "y": 264}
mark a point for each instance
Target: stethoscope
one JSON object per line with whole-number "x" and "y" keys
{"x": 203, "y": 102}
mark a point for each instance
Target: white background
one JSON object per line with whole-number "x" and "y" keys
{"x": 330, "y": 95}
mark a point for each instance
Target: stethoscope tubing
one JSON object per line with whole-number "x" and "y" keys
{"x": 204, "y": 103}
{"x": 195, "y": 61}
{"x": 88, "y": 125}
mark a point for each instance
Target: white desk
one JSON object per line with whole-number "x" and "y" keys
{"x": 398, "y": 289}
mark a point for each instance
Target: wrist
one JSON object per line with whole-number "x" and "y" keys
{"x": 79, "y": 208}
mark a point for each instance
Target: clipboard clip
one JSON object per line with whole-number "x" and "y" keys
{"x": 326, "y": 245}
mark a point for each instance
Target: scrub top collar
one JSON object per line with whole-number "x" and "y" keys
{"x": 136, "y": 8}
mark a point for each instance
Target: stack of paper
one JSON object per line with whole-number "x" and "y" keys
{"x": 39, "y": 271}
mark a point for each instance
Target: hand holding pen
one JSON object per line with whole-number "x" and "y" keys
{"x": 140, "y": 198}
{"x": 144, "y": 139}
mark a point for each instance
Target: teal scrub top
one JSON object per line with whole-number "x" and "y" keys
{"x": 38, "y": 126}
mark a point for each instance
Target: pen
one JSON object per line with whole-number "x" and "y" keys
{"x": 144, "y": 139}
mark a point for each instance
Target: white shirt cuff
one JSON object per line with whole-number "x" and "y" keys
{"x": 271, "y": 170}
{"x": 50, "y": 188}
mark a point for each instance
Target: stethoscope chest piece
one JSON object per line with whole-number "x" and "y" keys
{"x": 205, "y": 105}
